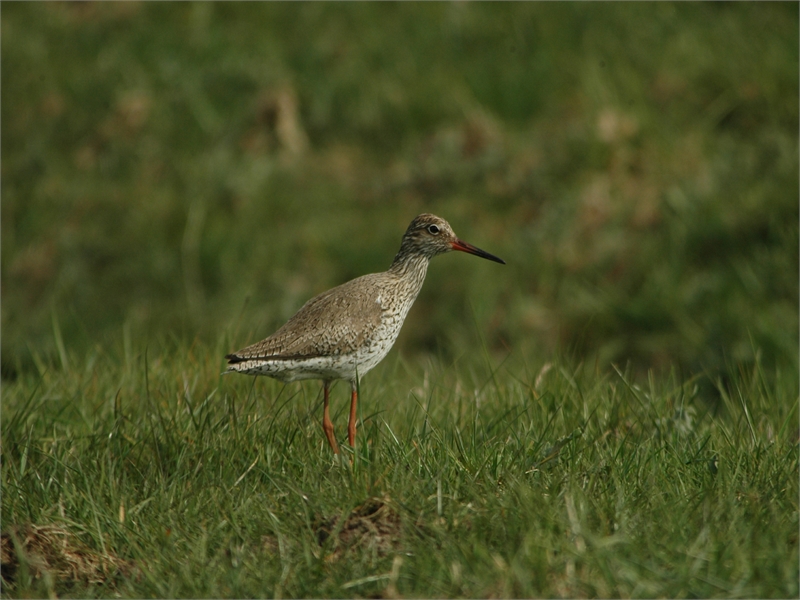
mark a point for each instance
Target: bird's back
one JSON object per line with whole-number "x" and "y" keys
{"x": 337, "y": 322}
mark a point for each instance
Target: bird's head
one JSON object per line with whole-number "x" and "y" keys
{"x": 429, "y": 235}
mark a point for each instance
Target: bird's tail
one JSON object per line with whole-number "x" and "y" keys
{"x": 233, "y": 360}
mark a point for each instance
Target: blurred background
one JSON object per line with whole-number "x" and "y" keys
{"x": 194, "y": 170}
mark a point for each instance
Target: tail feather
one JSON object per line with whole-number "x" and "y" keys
{"x": 233, "y": 360}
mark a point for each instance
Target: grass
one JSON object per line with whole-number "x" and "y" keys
{"x": 469, "y": 479}
{"x": 179, "y": 178}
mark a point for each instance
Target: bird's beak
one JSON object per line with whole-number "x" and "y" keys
{"x": 470, "y": 249}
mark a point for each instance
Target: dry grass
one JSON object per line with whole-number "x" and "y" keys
{"x": 372, "y": 527}
{"x": 54, "y": 555}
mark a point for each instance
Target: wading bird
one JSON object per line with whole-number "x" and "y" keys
{"x": 346, "y": 331}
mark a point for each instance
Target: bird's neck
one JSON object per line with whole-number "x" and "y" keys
{"x": 411, "y": 268}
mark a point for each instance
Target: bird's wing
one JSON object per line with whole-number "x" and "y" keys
{"x": 336, "y": 322}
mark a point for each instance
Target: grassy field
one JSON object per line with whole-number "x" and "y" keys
{"x": 613, "y": 413}
{"x": 472, "y": 479}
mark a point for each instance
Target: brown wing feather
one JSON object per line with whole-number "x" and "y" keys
{"x": 335, "y": 322}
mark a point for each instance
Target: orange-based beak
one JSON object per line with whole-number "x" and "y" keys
{"x": 470, "y": 249}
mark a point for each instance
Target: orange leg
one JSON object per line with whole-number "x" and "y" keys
{"x": 327, "y": 424}
{"x": 351, "y": 425}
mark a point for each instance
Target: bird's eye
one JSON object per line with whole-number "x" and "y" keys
{"x": 433, "y": 229}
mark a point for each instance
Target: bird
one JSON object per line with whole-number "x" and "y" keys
{"x": 344, "y": 332}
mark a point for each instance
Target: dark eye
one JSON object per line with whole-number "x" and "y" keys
{"x": 433, "y": 229}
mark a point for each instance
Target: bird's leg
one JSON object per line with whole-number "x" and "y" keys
{"x": 351, "y": 425}
{"x": 327, "y": 424}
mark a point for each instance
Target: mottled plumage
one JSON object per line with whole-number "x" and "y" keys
{"x": 346, "y": 331}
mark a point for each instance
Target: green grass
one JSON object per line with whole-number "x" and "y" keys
{"x": 492, "y": 479}
{"x": 179, "y": 178}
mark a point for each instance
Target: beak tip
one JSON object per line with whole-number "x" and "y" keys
{"x": 470, "y": 249}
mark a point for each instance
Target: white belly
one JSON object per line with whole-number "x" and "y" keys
{"x": 345, "y": 366}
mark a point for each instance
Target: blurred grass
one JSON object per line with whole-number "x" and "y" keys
{"x": 199, "y": 167}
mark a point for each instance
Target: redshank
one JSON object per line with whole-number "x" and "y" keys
{"x": 346, "y": 331}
